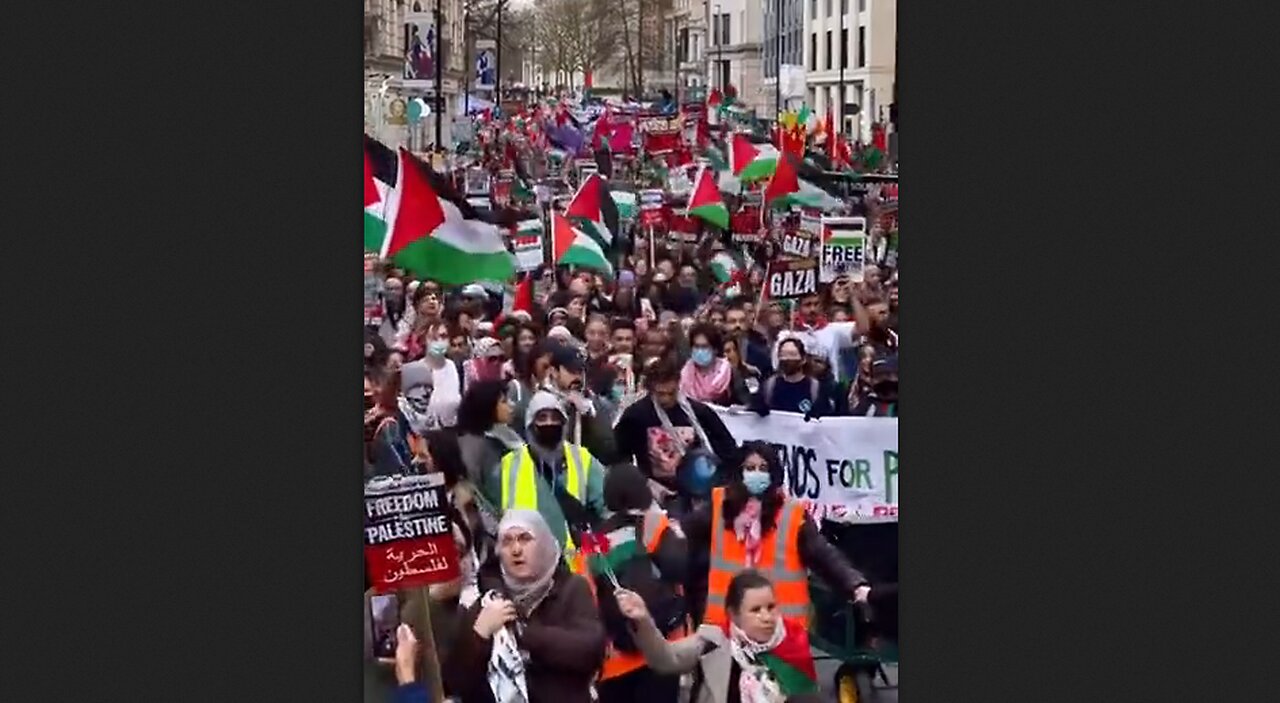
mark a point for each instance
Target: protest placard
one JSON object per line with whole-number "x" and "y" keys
{"x": 653, "y": 207}
{"x": 843, "y": 468}
{"x": 844, "y": 248}
{"x": 791, "y": 278}
{"x": 528, "y": 251}
{"x": 798, "y": 242}
{"x": 408, "y": 535}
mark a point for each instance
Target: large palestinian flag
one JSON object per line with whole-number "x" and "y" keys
{"x": 379, "y": 177}
{"x": 431, "y": 237}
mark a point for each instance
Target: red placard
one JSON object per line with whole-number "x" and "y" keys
{"x": 501, "y": 192}
{"x": 412, "y": 562}
{"x": 745, "y": 221}
{"x": 408, "y": 535}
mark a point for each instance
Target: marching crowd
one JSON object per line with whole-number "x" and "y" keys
{"x": 587, "y": 413}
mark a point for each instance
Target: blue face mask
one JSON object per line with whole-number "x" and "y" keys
{"x": 702, "y": 356}
{"x": 757, "y": 482}
{"x": 438, "y": 348}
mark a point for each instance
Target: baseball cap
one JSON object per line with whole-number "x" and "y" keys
{"x": 567, "y": 357}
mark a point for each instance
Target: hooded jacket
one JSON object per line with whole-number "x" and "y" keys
{"x": 548, "y": 505}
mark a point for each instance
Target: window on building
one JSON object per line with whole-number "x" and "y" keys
{"x": 725, "y": 32}
{"x": 828, "y": 8}
{"x": 844, "y": 7}
{"x": 862, "y": 5}
{"x": 813, "y": 8}
{"x": 828, "y": 54}
{"x": 813, "y": 51}
{"x": 844, "y": 47}
{"x": 862, "y": 46}
{"x": 724, "y": 75}
{"x": 682, "y": 50}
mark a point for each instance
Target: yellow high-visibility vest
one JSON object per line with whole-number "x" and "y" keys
{"x": 520, "y": 488}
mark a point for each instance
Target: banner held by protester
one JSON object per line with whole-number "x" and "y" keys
{"x": 844, "y": 468}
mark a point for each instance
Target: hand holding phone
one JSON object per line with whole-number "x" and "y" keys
{"x": 384, "y": 610}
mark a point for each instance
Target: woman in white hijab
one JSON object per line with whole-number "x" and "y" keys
{"x": 535, "y": 635}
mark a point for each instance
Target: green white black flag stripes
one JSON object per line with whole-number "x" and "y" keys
{"x": 430, "y": 237}
{"x": 572, "y": 246}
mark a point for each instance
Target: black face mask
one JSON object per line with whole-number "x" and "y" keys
{"x": 790, "y": 366}
{"x": 547, "y": 435}
{"x": 887, "y": 390}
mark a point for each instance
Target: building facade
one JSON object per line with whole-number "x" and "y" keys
{"x": 384, "y": 59}
{"x": 684, "y": 27}
{"x": 733, "y": 55}
{"x": 860, "y": 37}
{"x": 783, "y": 32}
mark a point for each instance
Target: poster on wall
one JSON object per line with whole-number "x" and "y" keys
{"x": 486, "y": 64}
{"x": 420, "y": 50}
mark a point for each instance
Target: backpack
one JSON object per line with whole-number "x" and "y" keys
{"x": 772, "y": 381}
{"x": 640, "y": 575}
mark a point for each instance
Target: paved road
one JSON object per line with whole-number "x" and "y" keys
{"x": 827, "y": 671}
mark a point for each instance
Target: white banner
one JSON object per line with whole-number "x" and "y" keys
{"x": 528, "y": 250}
{"x": 844, "y": 468}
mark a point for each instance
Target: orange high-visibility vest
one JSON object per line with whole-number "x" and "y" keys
{"x": 617, "y": 662}
{"x": 779, "y": 560}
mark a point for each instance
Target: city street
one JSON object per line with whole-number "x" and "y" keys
{"x": 827, "y": 671}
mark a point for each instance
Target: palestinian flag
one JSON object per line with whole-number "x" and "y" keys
{"x": 747, "y": 162}
{"x": 785, "y": 180}
{"x": 432, "y": 238}
{"x": 625, "y": 202}
{"x": 705, "y": 201}
{"x": 791, "y": 662}
{"x": 587, "y": 209}
{"x": 725, "y": 267}
{"x": 570, "y": 246}
{"x": 379, "y": 178}
{"x": 623, "y": 546}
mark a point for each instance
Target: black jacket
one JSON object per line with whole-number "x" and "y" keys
{"x": 632, "y": 434}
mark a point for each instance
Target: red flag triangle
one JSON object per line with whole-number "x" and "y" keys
{"x": 562, "y": 236}
{"x": 370, "y": 188}
{"x": 785, "y": 180}
{"x": 419, "y": 212}
{"x": 744, "y": 152}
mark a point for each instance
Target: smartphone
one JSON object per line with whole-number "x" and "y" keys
{"x": 384, "y": 611}
{"x": 646, "y": 309}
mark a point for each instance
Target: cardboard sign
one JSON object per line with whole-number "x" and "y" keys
{"x": 652, "y": 207}
{"x": 844, "y": 248}
{"x": 799, "y": 242}
{"x": 501, "y": 192}
{"x": 789, "y": 279}
{"x": 659, "y": 125}
{"x": 746, "y": 223}
{"x": 528, "y": 251}
{"x": 372, "y": 295}
{"x": 408, "y": 535}
{"x": 684, "y": 229}
{"x": 477, "y": 181}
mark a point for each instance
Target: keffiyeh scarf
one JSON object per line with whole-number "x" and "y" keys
{"x": 506, "y": 664}
{"x": 775, "y": 670}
